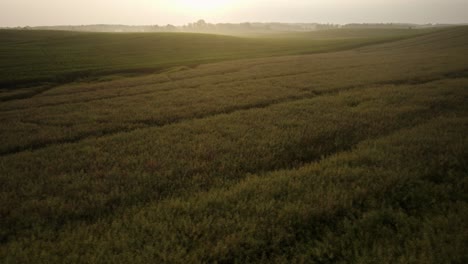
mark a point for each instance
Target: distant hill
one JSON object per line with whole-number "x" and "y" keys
{"x": 38, "y": 56}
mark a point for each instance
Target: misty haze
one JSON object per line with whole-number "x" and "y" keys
{"x": 157, "y": 131}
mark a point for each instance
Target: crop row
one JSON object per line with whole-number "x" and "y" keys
{"x": 94, "y": 177}
{"x": 113, "y": 106}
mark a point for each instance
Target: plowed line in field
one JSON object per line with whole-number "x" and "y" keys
{"x": 153, "y": 123}
{"x": 421, "y": 80}
{"x": 229, "y": 110}
{"x": 139, "y": 93}
{"x": 110, "y": 212}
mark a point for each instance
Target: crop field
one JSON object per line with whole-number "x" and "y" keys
{"x": 37, "y": 57}
{"x": 341, "y": 147}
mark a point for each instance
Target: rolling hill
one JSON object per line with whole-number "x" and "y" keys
{"x": 35, "y": 57}
{"x": 357, "y": 155}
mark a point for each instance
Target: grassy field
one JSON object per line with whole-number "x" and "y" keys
{"x": 353, "y": 156}
{"x": 37, "y": 57}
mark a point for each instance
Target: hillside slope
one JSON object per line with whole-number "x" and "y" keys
{"x": 35, "y": 57}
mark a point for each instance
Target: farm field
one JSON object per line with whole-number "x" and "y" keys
{"x": 356, "y": 153}
{"x": 43, "y": 57}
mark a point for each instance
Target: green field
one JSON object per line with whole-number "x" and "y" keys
{"x": 35, "y": 57}
{"x": 354, "y": 155}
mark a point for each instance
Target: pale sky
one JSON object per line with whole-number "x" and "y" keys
{"x": 178, "y": 12}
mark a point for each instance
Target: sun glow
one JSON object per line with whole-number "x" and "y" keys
{"x": 202, "y": 7}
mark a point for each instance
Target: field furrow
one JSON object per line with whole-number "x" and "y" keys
{"x": 217, "y": 151}
{"x": 305, "y": 212}
{"x": 353, "y": 156}
{"x": 136, "y": 124}
{"x": 111, "y": 111}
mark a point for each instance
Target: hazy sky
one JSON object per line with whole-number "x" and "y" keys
{"x": 144, "y": 12}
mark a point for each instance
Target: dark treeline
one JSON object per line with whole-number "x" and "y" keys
{"x": 227, "y": 28}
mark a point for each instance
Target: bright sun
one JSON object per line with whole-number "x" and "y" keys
{"x": 203, "y": 6}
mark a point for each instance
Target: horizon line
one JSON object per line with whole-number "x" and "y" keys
{"x": 238, "y": 23}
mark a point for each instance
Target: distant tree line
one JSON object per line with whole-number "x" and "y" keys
{"x": 201, "y": 26}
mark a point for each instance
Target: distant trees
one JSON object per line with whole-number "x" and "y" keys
{"x": 199, "y": 26}
{"x": 170, "y": 28}
{"x": 379, "y": 25}
{"x": 230, "y": 28}
{"x": 201, "y": 23}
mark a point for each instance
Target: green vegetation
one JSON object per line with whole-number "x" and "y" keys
{"x": 357, "y": 156}
{"x": 34, "y": 57}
